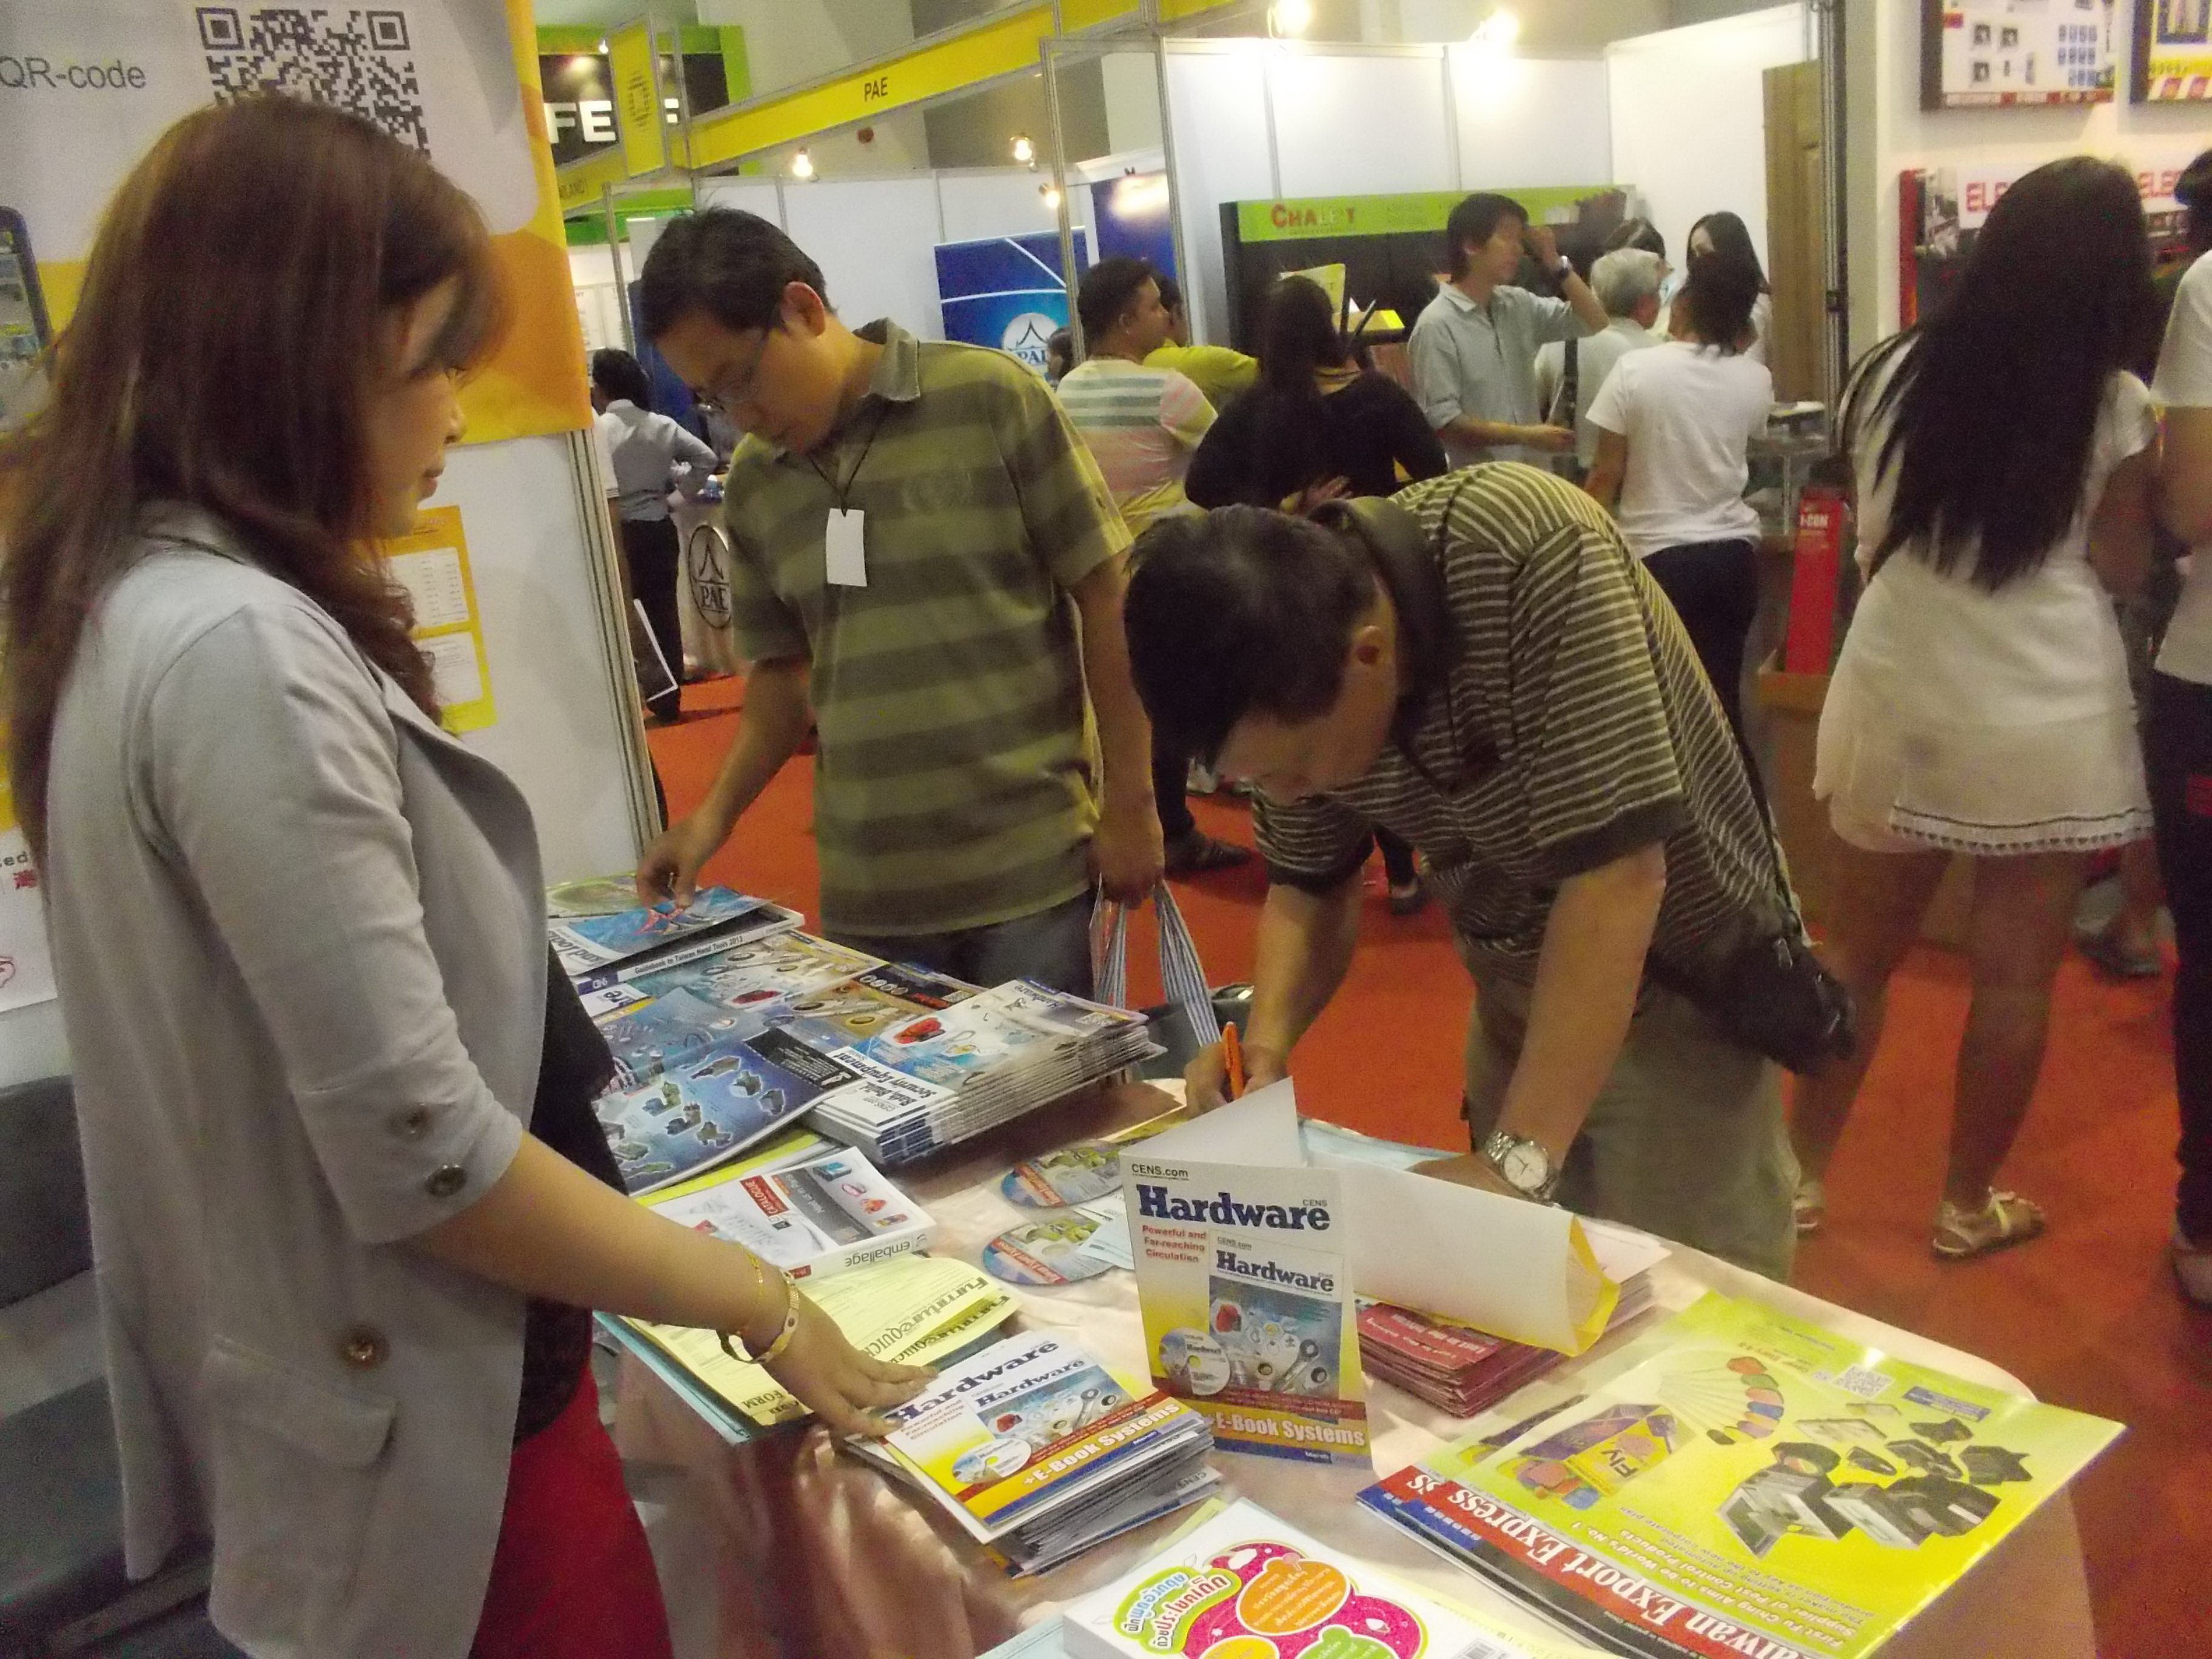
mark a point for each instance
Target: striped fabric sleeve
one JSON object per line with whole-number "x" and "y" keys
{"x": 762, "y": 627}
{"x": 1314, "y": 845}
{"x": 1184, "y": 411}
{"x": 1599, "y": 774}
{"x": 1073, "y": 526}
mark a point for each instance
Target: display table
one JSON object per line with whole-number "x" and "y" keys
{"x": 815, "y": 1555}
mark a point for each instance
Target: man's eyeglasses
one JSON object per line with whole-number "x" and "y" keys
{"x": 736, "y": 390}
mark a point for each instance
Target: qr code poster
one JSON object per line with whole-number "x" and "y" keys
{"x": 86, "y": 88}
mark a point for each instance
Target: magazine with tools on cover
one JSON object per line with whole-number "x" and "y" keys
{"x": 1739, "y": 1482}
{"x": 750, "y": 972}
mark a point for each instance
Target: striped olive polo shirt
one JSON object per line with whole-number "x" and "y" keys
{"x": 953, "y": 786}
{"x": 1572, "y": 725}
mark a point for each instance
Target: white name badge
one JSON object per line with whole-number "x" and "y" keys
{"x": 844, "y": 550}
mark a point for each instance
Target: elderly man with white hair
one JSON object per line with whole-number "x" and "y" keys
{"x": 1626, "y": 283}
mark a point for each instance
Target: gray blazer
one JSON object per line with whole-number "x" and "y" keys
{"x": 301, "y": 941}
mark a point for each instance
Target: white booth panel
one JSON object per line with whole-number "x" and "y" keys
{"x": 560, "y": 730}
{"x": 1689, "y": 118}
{"x": 1219, "y": 103}
{"x": 978, "y": 205}
{"x": 752, "y": 195}
{"x": 1360, "y": 124}
{"x": 1531, "y": 120}
{"x": 873, "y": 238}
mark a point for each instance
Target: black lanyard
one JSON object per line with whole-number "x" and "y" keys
{"x": 843, "y": 492}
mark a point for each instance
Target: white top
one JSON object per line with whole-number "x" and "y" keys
{"x": 646, "y": 456}
{"x": 1595, "y": 358}
{"x": 2184, "y": 381}
{"x": 1142, "y": 425}
{"x": 1689, "y": 413}
{"x": 2045, "y": 647}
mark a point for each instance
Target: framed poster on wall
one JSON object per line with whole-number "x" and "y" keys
{"x": 2173, "y": 52}
{"x": 1985, "y": 54}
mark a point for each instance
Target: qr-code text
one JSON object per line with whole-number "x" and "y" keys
{"x": 354, "y": 59}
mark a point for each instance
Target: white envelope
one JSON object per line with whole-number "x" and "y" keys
{"x": 1525, "y": 1271}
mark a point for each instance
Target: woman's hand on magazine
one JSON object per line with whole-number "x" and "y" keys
{"x": 839, "y": 1383}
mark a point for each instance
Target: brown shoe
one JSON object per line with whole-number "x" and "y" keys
{"x": 1195, "y": 853}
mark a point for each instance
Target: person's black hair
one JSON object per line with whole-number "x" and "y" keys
{"x": 1722, "y": 289}
{"x": 1108, "y": 288}
{"x": 1298, "y": 338}
{"x": 1059, "y": 353}
{"x": 2193, "y": 190}
{"x": 1171, "y": 291}
{"x": 1729, "y": 235}
{"x": 1993, "y": 409}
{"x": 1475, "y": 222}
{"x": 622, "y": 377}
{"x": 1239, "y": 611}
{"x": 1636, "y": 232}
{"x": 730, "y": 265}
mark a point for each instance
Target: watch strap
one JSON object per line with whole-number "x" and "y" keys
{"x": 1499, "y": 1145}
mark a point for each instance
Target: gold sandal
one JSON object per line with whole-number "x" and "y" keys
{"x": 2002, "y": 1219}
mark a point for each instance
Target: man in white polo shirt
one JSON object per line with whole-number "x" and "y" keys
{"x": 1474, "y": 347}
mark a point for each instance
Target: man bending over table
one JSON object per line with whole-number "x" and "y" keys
{"x": 1477, "y": 665}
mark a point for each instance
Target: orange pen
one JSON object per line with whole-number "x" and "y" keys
{"x": 1233, "y": 1057}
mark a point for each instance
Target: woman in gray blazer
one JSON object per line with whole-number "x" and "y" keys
{"x": 300, "y": 939}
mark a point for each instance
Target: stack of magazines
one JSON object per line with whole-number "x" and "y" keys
{"x": 1040, "y": 1452}
{"x": 597, "y": 951}
{"x": 930, "y": 1081}
{"x": 1463, "y": 1370}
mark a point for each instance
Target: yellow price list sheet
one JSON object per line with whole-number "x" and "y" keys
{"x": 431, "y": 564}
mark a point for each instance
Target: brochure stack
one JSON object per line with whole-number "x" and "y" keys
{"x": 1040, "y": 1452}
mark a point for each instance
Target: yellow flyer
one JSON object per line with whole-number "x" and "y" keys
{"x": 910, "y": 1311}
{"x": 431, "y": 564}
{"x": 1739, "y": 1482}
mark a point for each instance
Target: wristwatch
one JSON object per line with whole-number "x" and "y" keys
{"x": 1524, "y": 1164}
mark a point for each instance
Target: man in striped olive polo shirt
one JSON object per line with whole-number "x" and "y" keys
{"x": 1478, "y": 665}
{"x": 928, "y": 562}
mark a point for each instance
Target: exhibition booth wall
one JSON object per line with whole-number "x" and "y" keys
{"x": 1889, "y": 132}
{"x": 1677, "y": 117}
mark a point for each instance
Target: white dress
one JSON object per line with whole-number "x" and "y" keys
{"x": 1980, "y": 723}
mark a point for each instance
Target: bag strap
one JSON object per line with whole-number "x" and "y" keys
{"x": 1182, "y": 974}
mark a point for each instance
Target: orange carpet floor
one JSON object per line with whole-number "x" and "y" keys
{"x": 2087, "y": 1316}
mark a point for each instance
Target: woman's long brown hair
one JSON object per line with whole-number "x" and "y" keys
{"x": 233, "y": 323}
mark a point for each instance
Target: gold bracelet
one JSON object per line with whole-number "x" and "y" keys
{"x": 782, "y": 1337}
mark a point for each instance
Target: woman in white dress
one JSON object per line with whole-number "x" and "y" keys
{"x": 1981, "y": 705}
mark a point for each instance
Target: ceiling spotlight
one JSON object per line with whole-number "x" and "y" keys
{"x": 802, "y": 165}
{"x": 1050, "y": 195}
{"x": 1497, "y": 32}
{"x": 1290, "y": 17}
{"x": 1024, "y": 151}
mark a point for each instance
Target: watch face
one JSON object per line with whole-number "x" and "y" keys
{"x": 1526, "y": 1167}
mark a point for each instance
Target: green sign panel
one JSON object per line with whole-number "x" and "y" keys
{"x": 1298, "y": 218}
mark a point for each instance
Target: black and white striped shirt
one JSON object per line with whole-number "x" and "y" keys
{"x": 1573, "y": 725}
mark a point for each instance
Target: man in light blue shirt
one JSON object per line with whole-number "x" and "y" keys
{"x": 1473, "y": 348}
